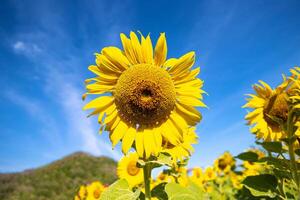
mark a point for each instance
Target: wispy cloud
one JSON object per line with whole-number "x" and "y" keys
{"x": 69, "y": 98}
{"x": 28, "y": 49}
{"x": 59, "y": 69}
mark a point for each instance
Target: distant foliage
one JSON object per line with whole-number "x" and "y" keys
{"x": 58, "y": 180}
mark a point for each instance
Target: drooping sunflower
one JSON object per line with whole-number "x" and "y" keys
{"x": 270, "y": 106}
{"x": 146, "y": 99}
{"x": 127, "y": 169}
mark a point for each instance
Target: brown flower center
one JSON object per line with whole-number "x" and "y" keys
{"x": 222, "y": 164}
{"x": 97, "y": 193}
{"x": 276, "y": 108}
{"x": 145, "y": 95}
{"x": 132, "y": 169}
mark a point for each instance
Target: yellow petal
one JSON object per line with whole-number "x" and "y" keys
{"x": 160, "y": 52}
{"x": 128, "y": 139}
{"x": 100, "y": 102}
{"x": 170, "y": 132}
{"x": 170, "y": 63}
{"x": 118, "y": 133}
{"x": 191, "y": 101}
{"x": 179, "y": 122}
{"x": 149, "y": 142}
{"x": 136, "y": 46}
{"x": 128, "y": 49}
{"x": 190, "y": 114}
{"x": 158, "y": 140}
{"x": 116, "y": 57}
{"x": 139, "y": 143}
{"x": 147, "y": 49}
{"x": 184, "y": 63}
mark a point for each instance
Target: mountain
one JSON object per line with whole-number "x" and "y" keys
{"x": 58, "y": 180}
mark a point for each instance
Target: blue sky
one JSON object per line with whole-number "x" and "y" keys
{"x": 46, "y": 46}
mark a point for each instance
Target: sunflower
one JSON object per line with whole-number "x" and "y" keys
{"x": 127, "y": 169}
{"x": 270, "y": 106}
{"x": 145, "y": 98}
{"x": 209, "y": 174}
{"x": 224, "y": 163}
{"x": 94, "y": 190}
{"x": 197, "y": 176}
{"x": 254, "y": 168}
{"x": 183, "y": 149}
{"x": 164, "y": 178}
{"x": 236, "y": 180}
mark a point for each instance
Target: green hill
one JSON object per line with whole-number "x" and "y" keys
{"x": 58, "y": 180}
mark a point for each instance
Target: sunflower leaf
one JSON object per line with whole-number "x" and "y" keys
{"x": 162, "y": 159}
{"x": 119, "y": 190}
{"x": 276, "y": 162}
{"x": 159, "y": 192}
{"x": 272, "y": 146}
{"x": 297, "y": 151}
{"x": 248, "y": 156}
{"x": 177, "y": 192}
{"x": 261, "y": 185}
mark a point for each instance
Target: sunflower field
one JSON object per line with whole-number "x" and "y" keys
{"x": 150, "y": 105}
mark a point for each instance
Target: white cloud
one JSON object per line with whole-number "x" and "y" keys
{"x": 69, "y": 97}
{"x": 29, "y": 49}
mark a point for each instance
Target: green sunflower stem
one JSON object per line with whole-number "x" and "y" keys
{"x": 147, "y": 177}
{"x": 294, "y": 169}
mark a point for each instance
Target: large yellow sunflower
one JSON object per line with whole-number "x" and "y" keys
{"x": 127, "y": 169}
{"x": 269, "y": 107}
{"x": 146, "y": 99}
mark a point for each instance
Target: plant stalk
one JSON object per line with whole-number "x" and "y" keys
{"x": 147, "y": 177}
{"x": 291, "y": 151}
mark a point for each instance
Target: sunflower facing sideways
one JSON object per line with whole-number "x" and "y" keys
{"x": 269, "y": 107}
{"x": 145, "y": 98}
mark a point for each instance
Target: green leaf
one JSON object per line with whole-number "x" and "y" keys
{"x": 159, "y": 192}
{"x": 162, "y": 159}
{"x": 195, "y": 188}
{"x": 288, "y": 140}
{"x": 276, "y": 162}
{"x": 177, "y": 192}
{"x": 272, "y": 146}
{"x": 282, "y": 173}
{"x": 297, "y": 151}
{"x": 261, "y": 185}
{"x": 119, "y": 191}
{"x": 248, "y": 156}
